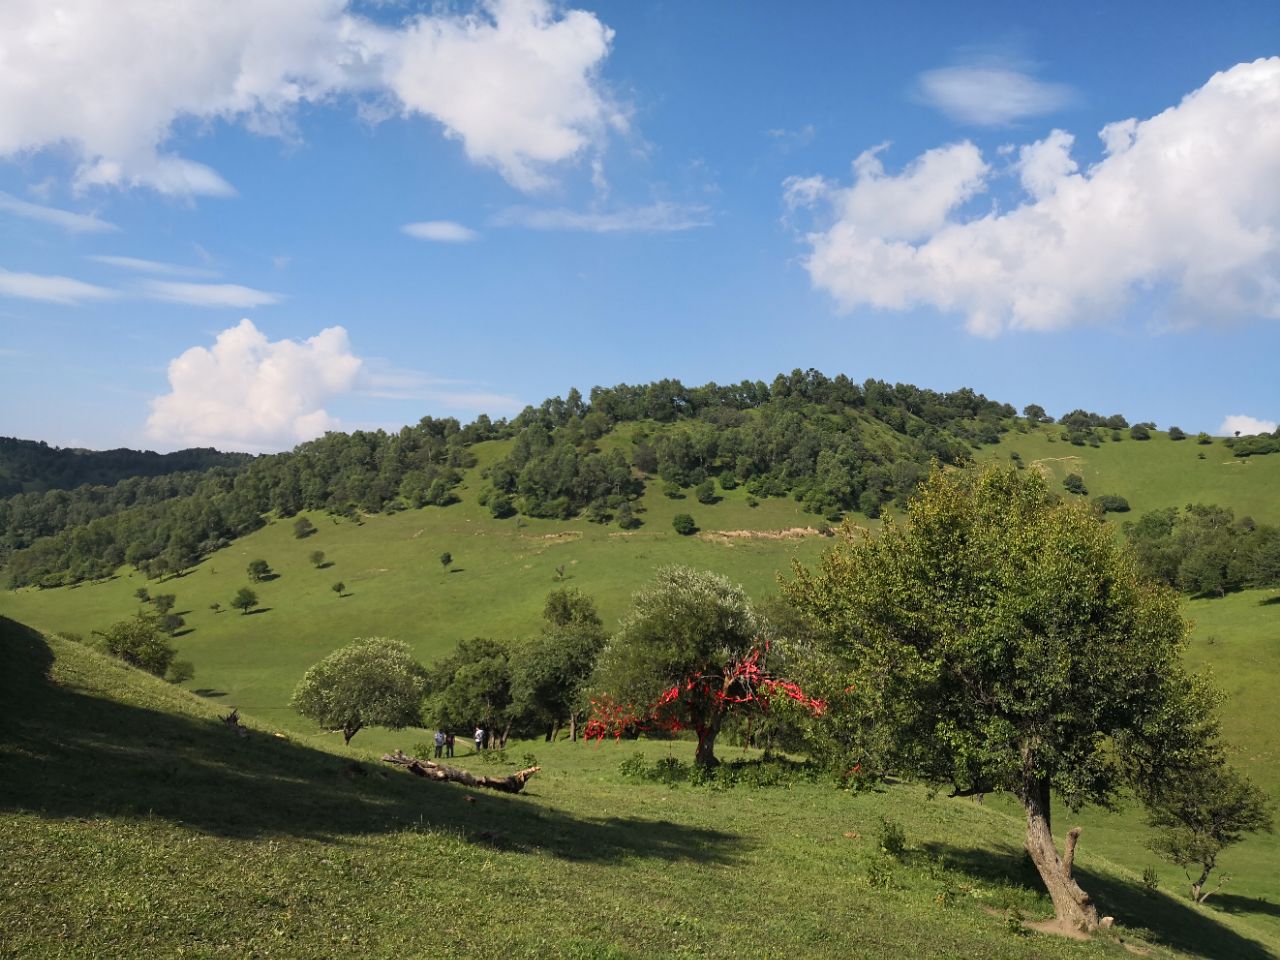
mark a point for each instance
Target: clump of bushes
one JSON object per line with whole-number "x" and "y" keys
{"x": 1111, "y": 503}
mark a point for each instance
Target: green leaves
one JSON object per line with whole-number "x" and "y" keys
{"x": 997, "y": 632}
{"x": 372, "y": 681}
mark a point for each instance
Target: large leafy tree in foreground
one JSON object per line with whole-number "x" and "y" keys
{"x": 1002, "y": 639}
{"x": 369, "y": 682}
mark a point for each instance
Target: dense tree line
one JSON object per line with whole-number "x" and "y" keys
{"x": 1205, "y": 549}
{"x": 832, "y": 444}
{"x": 167, "y": 526}
{"x": 31, "y": 466}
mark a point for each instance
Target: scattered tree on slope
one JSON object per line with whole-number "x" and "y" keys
{"x": 375, "y": 681}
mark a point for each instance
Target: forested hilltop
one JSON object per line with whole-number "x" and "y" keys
{"x": 833, "y": 445}
{"x": 32, "y": 466}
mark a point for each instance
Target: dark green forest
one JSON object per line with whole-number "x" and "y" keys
{"x": 833, "y": 445}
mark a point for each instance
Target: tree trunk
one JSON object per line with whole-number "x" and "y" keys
{"x": 573, "y": 727}
{"x": 437, "y": 771}
{"x": 1071, "y": 905}
{"x": 1197, "y": 889}
{"x": 706, "y": 753}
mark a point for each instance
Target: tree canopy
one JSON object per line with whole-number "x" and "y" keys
{"x": 1003, "y": 640}
{"x": 138, "y": 641}
{"x": 686, "y": 655}
{"x": 374, "y": 681}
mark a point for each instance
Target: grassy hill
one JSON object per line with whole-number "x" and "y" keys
{"x": 501, "y": 573}
{"x": 1154, "y": 473}
{"x": 132, "y": 823}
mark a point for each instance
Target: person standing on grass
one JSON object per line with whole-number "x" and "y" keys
{"x": 448, "y": 744}
{"x": 439, "y": 743}
{"x": 479, "y": 739}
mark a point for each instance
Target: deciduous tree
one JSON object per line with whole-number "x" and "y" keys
{"x": 374, "y": 681}
{"x": 1004, "y": 640}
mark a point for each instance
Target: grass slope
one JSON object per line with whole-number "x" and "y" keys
{"x": 1154, "y": 473}
{"x": 396, "y": 586}
{"x": 503, "y": 572}
{"x": 133, "y": 824}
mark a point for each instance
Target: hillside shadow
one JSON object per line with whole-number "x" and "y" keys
{"x": 68, "y": 753}
{"x": 1160, "y": 919}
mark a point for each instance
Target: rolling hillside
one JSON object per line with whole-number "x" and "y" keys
{"x": 501, "y": 571}
{"x": 133, "y": 823}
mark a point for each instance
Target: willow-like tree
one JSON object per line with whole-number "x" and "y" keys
{"x": 369, "y": 682}
{"x": 1005, "y": 640}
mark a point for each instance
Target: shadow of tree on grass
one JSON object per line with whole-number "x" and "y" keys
{"x": 1159, "y": 918}
{"x": 67, "y": 752}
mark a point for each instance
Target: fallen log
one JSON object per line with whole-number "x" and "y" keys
{"x": 513, "y": 783}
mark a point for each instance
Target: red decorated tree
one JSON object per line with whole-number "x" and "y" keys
{"x": 687, "y": 655}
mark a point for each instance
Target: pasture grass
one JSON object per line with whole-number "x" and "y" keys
{"x": 132, "y": 823}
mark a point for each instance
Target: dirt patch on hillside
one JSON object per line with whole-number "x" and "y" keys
{"x": 551, "y": 539}
{"x": 729, "y": 537}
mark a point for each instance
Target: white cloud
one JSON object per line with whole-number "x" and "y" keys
{"x": 383, "y": 380}
{"x": 1185, "y": 204}
{"x": 50, "y": 288}
{"x": 991, "y": 96}
{"x": 539, "y": 101}
{"x": 158, "y": 267}
{"x": 208, "y": 294}
{"x": 250, "y": 393}
{"x": 516, "y": 82}
{"x": 66, "y": 219}
{"x": 1245, "y": 425}
{"x": 661, "y": 217}
{"x": 442, "y": 231}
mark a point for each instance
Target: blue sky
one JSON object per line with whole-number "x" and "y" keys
{"x": 623, "y": 192}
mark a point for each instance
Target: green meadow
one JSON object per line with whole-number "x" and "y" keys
{"x": 133, "y": 823}
{"x": 274, "y": 846}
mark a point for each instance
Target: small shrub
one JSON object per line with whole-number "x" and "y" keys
{"x": 635, "y": 767}
{"x": 672, "y": 490}
{"x": 752, "y": 502}
{"x": 683, "y": 524}
{"x": 880, "y": 874}
{"x": 1074, "y": 483}
{"x": 1150, "y": 879}
{"x": 180, "y": 671}
{"x": 893, "y": 839}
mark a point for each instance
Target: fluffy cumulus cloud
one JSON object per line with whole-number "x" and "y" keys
{"x": 1246, "y": 425}
{"x": 1185, "y": 205}
{"x": 516, "y": 82}
{"x": 250, "y": 393}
